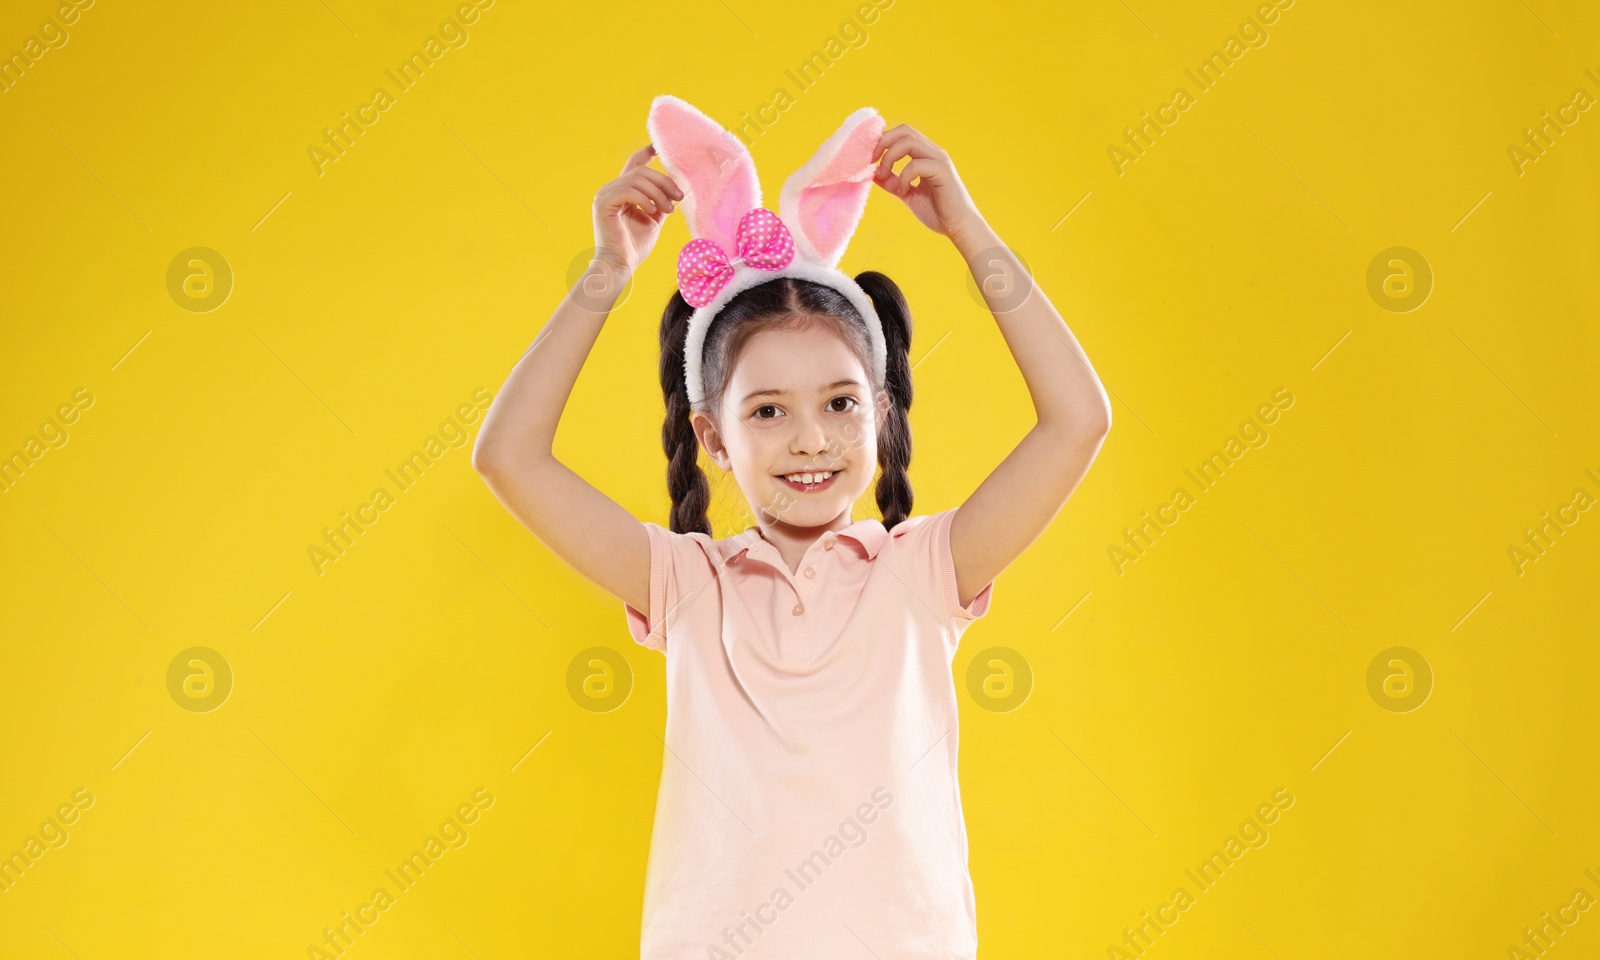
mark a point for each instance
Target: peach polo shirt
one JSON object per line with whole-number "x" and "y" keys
{"x": 809, "y": 803}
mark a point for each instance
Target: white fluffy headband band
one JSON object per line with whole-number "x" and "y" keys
{"x": 737, "y": 244}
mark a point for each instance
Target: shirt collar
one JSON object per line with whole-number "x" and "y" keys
{"x": 869, "y": 534}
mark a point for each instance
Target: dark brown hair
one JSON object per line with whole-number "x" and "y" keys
{"x": 785, "y": 303}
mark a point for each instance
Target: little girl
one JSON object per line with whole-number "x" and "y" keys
{"x": 809, "y": 804}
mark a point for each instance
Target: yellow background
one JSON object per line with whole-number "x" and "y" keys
{"x": 369, "y": 701}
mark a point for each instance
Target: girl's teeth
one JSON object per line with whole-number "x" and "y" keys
{"x": 809, "y": 477}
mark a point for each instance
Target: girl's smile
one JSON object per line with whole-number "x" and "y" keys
{"x": 813, "y": 486}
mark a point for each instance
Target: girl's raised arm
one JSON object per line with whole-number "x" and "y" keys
{"x": 1017, "y": 501}
{"x": 514, "y": 449}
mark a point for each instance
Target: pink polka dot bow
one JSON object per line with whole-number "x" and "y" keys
{"x": 761, "y": 240}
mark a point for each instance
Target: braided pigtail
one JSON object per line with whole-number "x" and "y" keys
{"x": 686, "y": 482}
{"x": 893, "y": 493}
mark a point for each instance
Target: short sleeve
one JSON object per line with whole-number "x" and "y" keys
{"x": 922, "y": 557}
{"x": 945, "y": 562}
{"x": 680, "y": 573}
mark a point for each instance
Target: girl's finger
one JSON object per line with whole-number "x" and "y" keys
{"x": 668, "y": 185}
{"x": 908, "y": 143}
{"x": 625, "y": 196}
{"x": 892, "y": 183}
{"x": 926, "y": 168}
{"x": 928, "y": 147}
{"x": 629, "y": 190}
{"x": 655, "y": 193}
{"x": 893, "y": 148}
{"x": 911, "y": 143}
{"x": 639, "y": 157}
{"x": 895, "y": 130}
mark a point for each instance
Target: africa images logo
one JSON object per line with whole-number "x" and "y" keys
{"x": 803, "y": 875}
{"x": 341, "y": 935}
{"x": 338, "y": 139}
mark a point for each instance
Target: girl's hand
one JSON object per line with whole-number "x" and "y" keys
{"x": 938, "y": 199}
{"x": 629, "y": 212}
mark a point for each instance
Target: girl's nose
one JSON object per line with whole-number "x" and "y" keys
{"x": 809, "y": 439}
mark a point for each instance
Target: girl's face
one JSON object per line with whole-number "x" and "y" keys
{"x": 798, "y": 402}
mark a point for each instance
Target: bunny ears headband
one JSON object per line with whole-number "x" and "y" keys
{"x": 738, "y": 243}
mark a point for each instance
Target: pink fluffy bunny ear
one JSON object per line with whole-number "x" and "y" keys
{"x": 822, "y": 202}
{"x": 709, "y": 164}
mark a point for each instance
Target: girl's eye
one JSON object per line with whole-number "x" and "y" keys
{"x": 850, "y": 404}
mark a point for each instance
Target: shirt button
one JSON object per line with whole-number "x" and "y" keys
{"x": 799, "y": 608}
{"x": 810, "y": 573}
{"x": 828, "y": 544}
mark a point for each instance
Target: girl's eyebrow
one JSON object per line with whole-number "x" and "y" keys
{"x": 784, "y": 393}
